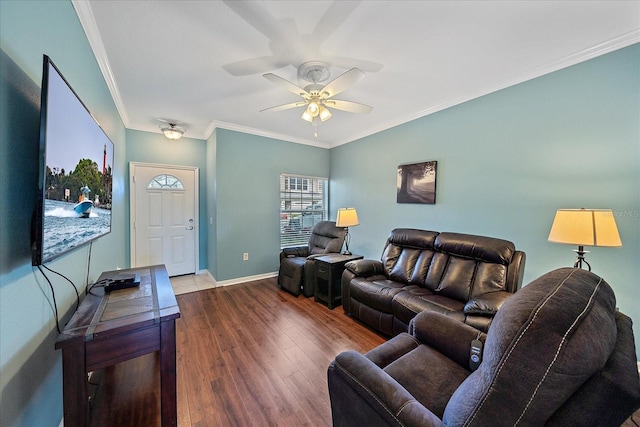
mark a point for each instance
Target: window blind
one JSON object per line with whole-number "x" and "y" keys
{"x": 303, "y": 203}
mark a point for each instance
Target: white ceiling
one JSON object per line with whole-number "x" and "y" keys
{"x": 201, "y": 62}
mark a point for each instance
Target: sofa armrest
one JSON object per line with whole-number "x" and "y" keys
{"x": 449, "y": 336}
{"x": 365, "y": 267}
{"x": 486, "y": 304}
{"x": 391, "y": 350}
{"x": 363, "y": 394}
{"x": 294, "y": 251}
{"x": 515, "y": 272}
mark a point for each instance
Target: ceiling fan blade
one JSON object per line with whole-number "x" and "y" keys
{"x": 332, "y": 19}
{"x": 259, "y": 65}
{"x": 285, "y": 106}
{"x": 286, "y": 84}
{"x": 170, "y": 122}
{"x": 362, "y": 64}
{"x": 352, "y": 107}
{"x": 343, "y": 82}
{"x": 257, "y": 15}
{"x": 282, "y": 35}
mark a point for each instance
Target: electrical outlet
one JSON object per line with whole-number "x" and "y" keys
{"x": 245, "y": 256}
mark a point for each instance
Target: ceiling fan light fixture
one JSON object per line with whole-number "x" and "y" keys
{"x": 313, "y": 108}
{"x": 306, "y": 116}
{"x": 316, "y": 96}
{"x": 324, "y": 113}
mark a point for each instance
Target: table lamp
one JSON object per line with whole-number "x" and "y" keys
{"x": 585, "y": 227}
{"x": 347, "y": 217}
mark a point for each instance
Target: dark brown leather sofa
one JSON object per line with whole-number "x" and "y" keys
{"x": 558, "y": 353}
{"x": 464, "y": 276}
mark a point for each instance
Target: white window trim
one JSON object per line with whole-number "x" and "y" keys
{"x": 301, "y": 209}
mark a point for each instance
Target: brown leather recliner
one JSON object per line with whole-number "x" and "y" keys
{"x": 296, "y": 263}
{"x": 558, "y": 353}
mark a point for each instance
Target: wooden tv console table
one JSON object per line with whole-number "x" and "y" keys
{"x": 109, "y": 328}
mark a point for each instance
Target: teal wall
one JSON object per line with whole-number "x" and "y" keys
{"x": 508, "y": 161}
{"x": 30, "y": 379}
{"x": 147, "y": 147}
{"x": 248, "y": 169}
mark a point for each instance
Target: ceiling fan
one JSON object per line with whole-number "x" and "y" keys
{"x": 287, "y": 44}
{"x": 318, "y": 98}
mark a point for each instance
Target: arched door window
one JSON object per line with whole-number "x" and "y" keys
{"x": 165, "y": 182}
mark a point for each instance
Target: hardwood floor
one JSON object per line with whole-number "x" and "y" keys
{"x": 247, "y": 355}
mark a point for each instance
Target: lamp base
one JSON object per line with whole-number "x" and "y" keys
{"x": 578, "y": 264}
{"x": 347, "y": 239}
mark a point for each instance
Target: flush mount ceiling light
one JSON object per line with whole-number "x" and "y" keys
{"x": 172, "y": 131}
{"x": 317, "y": 97}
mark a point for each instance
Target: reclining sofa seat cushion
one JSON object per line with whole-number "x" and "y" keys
{"x": 296, "y": 263}
{"x": 460, "y": 275}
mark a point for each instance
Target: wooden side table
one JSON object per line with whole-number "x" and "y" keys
{"x": 329, "y": 268}
{"x": 109, "y": 328}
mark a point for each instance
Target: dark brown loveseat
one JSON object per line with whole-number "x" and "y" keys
{"x": 464, "y": 276}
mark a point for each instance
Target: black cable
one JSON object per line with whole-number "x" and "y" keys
{"x": 86, "y": 289}
{"x": 53, "y": 294}
{"x": 98, "y": 284}
{"x": 68, "y": 280}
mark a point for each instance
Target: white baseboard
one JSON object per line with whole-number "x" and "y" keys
{"x": 245, "y": 279}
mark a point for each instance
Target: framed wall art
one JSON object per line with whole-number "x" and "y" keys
{"x": 417, "y": 183}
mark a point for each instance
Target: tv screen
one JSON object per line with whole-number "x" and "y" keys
{"x": 73, "y": 205}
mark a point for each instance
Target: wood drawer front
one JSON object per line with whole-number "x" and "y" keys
{"x": 323, "y": 270}
{"x": 101, "y": 353}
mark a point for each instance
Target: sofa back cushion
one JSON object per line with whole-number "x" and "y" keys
{"x": 459, "y": 266}
{"x": 407, "y": 255}
{"x": 326, "y": 238}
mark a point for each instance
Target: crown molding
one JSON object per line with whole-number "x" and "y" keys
{"x": 233, "y": 127}
{"x": 88, "y": 22}
{"x": 272, "y": 135}
{"x": 592, "y": 52}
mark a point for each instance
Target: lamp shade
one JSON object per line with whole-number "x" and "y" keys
{"x": 347, "y": 217}
{"x": 588, "y": 227}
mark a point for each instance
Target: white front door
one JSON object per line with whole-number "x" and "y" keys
{"x": 164, "y": 217}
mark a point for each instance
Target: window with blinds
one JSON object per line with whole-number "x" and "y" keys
{"x": 303, "y": 203}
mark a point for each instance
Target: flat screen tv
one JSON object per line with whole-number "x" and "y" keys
{"x": 73, "y": 204}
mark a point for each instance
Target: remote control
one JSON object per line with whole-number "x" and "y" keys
{"x": 121, "y": 281}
